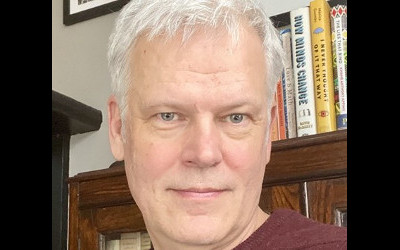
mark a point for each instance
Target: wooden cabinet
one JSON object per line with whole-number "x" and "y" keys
{"x": 307, "y": 174}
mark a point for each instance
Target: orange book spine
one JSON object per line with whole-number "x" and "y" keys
{"x": 281, "y": 111}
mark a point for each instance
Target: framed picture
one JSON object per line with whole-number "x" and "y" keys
{"x": 80, "y": 10}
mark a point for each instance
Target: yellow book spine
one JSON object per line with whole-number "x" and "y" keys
{"x": 322, "y": 64}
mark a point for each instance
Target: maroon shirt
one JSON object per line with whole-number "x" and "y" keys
{"x": 288, "y": 229}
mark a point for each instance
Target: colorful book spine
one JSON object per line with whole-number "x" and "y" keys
{"x": 322, "y": 63}
{"x": 339, "y": 52}
{"x": 281, "y": 111}
{"x": 288, "y": 83}
{"x": 303, "y": 72}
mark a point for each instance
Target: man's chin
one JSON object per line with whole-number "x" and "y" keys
{"x": 202, "y": 230}
{"x": 199, "y": 238}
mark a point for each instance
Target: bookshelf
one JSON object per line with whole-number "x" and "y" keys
{"x": 283, "y": 19}
{"x": 307, "y": 174}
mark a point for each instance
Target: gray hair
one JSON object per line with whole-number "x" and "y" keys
{"x": 167, "y": 17}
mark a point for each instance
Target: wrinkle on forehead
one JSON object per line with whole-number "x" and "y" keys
{"x": 193, "y": 55}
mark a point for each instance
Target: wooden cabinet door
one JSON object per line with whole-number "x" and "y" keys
{"x": 328, "y": 200}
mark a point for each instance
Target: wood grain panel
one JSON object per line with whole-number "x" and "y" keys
{"x": 115, "y": 169}
{"x": 284, "y": 196}
{"x": 324, "y": 197}
{"x": 103, "y": 192}
{"x": 307, "y": 163}
{"x": 88, "y": 235}
{"x": 73, "y": 216}
{"x": 119, "y": 219}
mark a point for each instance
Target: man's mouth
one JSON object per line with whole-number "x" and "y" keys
{"x": 198, "y": 193}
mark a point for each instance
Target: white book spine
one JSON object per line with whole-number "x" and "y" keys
{"x": 130, "y": 241}
{"x": 145, "y": 241}
{"x": 303, "y": 72}
{"x": 289, "y": 89}
{"x": 112, "y": 245}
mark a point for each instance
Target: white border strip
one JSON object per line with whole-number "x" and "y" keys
{"x": 74, "y": 7}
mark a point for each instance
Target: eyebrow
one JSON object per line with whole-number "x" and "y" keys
{"x": 220, "y": 107}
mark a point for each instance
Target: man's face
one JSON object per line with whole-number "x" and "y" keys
{"x": 196, "y": 145}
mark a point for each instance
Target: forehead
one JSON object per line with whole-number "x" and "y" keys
{"x": 208, "y": 65}
{"x": 195, "y": 52}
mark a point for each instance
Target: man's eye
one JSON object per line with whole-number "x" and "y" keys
{"x": 236, "y": 118}
{"x": 167, "y": 116}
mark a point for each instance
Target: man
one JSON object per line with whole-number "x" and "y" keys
{"x": 190, "y": 114}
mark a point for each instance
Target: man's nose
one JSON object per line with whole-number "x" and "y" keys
{"x": 203, "y": 145}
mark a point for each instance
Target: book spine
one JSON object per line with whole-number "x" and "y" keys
{"x": 339, "y": 52}
{"x": 303, "y": 72}
{"x": 288, "y": 83}
{"x": 145, "y": 241}
{"x": 130, "y": 241}
{"x": 112, "y": 245}
{"x": 284, "y": 104}
{"x": 281, "y": 111}
{"x": 322, "y": 63}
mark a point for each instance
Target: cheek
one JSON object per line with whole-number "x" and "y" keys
{"x": 147, "y": 166}
{"x": 247, "y": 163}
{"x": 247, "y": 158}
{"x": 150, "y": 160}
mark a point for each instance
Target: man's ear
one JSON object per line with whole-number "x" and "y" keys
{"x": 272, "y": 119}
{"x": 115, "y": 129}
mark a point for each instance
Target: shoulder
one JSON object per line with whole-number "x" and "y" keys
{"x": 296, "y": 229}
{"x": 291, "y": 230}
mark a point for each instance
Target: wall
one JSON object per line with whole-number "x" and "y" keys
{"x": 79, "y": 70}
{"x": 274, "y": 7}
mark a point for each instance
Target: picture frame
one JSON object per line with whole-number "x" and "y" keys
{"x": 75, "y": 11}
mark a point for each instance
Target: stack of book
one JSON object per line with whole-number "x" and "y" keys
{"x": 128, "y": 241}
{"x": 312, "y": 92}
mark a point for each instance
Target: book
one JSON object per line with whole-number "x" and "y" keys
{"x": 145, "y": 241}
{"x": 280, "y": 111}
{"x": 130, "y": 241}
{"x": 339, "y": 52}
{"x": 303, "y": 71}
{"x": 288, "y": 82}
{"x": 112, "y": 245}
{"x": 322, "y": 63}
